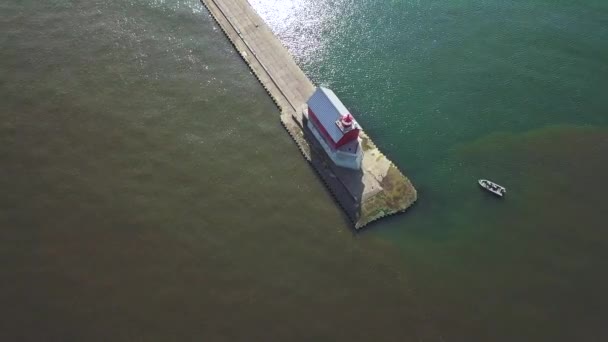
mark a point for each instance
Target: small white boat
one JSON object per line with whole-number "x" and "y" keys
{"x": 493, "y": 187}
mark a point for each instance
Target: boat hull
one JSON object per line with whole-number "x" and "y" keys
{"x": 492, "y": 187}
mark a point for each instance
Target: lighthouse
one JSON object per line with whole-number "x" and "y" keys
{"x": 335, "y": 128}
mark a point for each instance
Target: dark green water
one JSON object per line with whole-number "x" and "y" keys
{"x": 150, "y": 193}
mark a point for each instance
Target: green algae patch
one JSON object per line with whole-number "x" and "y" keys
{"x": 397, "y": 195}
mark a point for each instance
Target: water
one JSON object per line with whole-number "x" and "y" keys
{"x": 149, "y": 191}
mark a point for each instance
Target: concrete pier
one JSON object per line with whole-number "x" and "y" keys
{"x": 379, "y": 188}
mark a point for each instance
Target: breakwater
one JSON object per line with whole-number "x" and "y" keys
{"x": 379, "y": 188}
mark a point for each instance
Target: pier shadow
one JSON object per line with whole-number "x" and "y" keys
{"x": 345, "y": 185}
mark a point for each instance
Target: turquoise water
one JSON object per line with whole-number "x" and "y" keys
{"x": 150, "y": 193}
{"x": 454, "y": 91}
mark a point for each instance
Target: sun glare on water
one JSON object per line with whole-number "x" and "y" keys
{"x": 300, "y": 24}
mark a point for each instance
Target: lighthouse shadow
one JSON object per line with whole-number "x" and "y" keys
{"x": 345, "y": 185}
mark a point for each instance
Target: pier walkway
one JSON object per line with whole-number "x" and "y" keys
{"x": 379, "y": 188}
{"x": 266, "y": 56}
